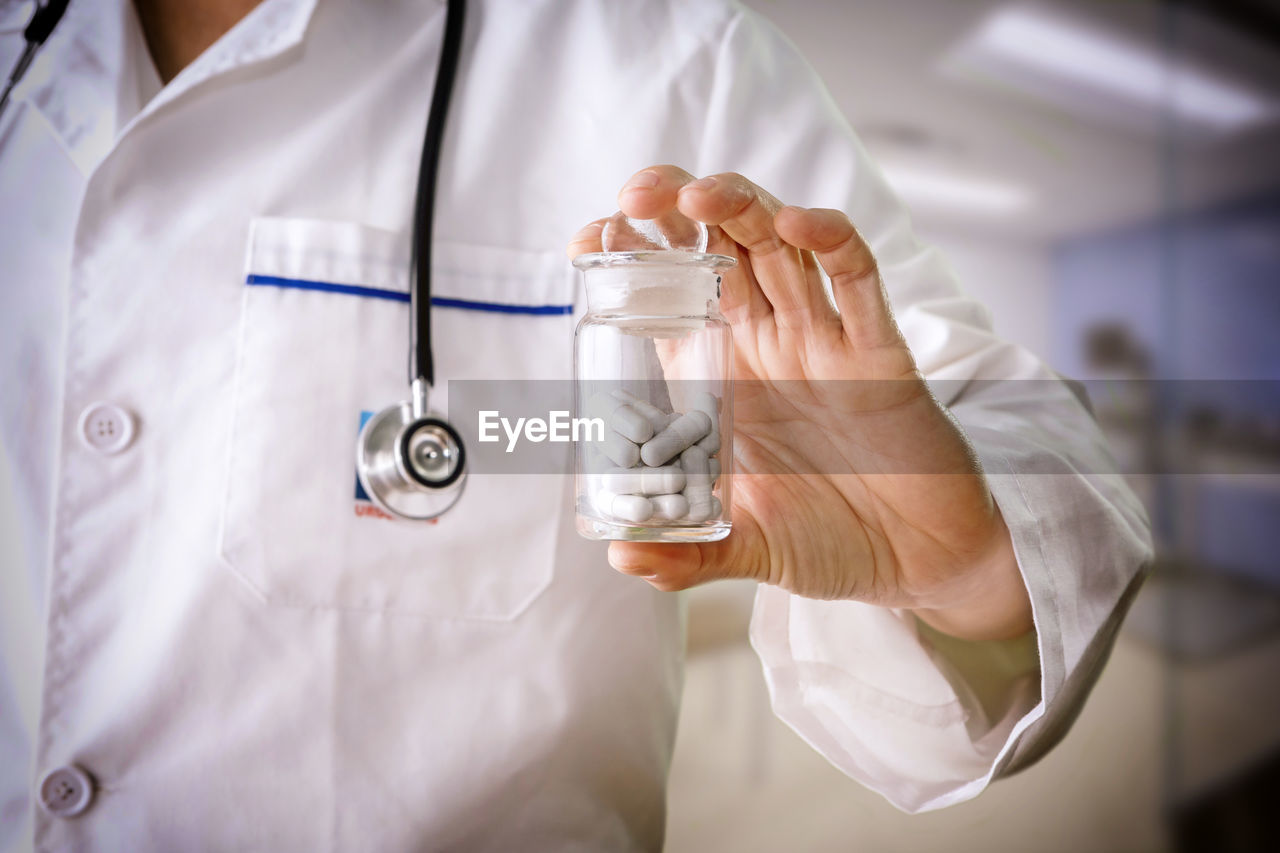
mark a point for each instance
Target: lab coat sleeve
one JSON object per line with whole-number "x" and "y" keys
{"x": 925, "y": 719}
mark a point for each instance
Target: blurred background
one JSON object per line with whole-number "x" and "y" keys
{"x": 1105, "y": 176}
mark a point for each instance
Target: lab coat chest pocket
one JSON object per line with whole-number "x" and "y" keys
{"x": 323, "y": 341}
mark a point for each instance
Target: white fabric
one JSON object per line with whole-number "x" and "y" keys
{"x": 241, "y": 655}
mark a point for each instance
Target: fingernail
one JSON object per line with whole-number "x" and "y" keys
{"x": 642, "y": 181}
{"x": 587, "y": 232}
{"x": 701, "y": 184}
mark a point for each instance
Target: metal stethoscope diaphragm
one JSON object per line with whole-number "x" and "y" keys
{"x": 411, "y": 462}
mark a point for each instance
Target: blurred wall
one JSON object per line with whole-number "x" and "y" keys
{"x": 1014, "y": 279}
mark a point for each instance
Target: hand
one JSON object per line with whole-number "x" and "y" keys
{"x": 873, "y": 492}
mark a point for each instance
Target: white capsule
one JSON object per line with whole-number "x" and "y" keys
{"x": 717, "y": 509}
{"x": 657, "y": 418}
{"x": 620, "y": 417}
{"x": 620, "y": 450}
{"x": 645, "y": 481}
{"x": 698, "y": 510}
{"x": 711, "y": 443}
{"x": 633, "y": 508}
{"x": 683, "y": 432}
{"x": 704, "y": 401}
{"x": 713, "y": 469}
{"x": 697, "y": 488}
{"x": 669, "y": 507}
{"x": 697, "y": 467}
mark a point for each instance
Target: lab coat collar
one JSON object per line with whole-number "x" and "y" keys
{"x": 272, "y": 28}
{"x": 83, "y": 84}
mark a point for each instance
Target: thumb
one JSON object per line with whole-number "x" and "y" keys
{"x": 671, "y": 566}
{"x": 586, "y": 240}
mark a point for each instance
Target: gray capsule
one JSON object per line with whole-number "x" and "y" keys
{"x": 669, "y": 507}
{"x": 620, "y": 417}
{"x": 633, "y": 508}
{"x": 622, "y": 451}
{"x": 717, "y": 509}
{"x": 645, "y": 481}
{"x": 657, "y": 418}
{"x": 713, "y": 468}
{"x": 683, "y": 432}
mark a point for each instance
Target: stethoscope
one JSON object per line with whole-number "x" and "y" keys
{"x": 411, "y": 462}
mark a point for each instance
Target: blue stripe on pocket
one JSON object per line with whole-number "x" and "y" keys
{"x": 255, "y": 280}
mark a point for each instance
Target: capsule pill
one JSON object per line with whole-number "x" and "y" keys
{"x": 683, "y": 432}
{"x": 620, "y": 417}
{"x": 620, "y": 450}
{"x": 657, "y": 418}
{"x": 704, "y": 401}
{"x": 697, "y": 488}
{"x": 645, "y": 481}
{"x": 633, "y": 508}
{"x": 669, "y": 507}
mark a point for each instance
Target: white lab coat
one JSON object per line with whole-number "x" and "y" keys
{"x": 242, "y": 655}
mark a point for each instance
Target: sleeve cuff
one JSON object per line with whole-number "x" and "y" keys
{"x": 925, "y": 720}
{"x": 928, "y": 721}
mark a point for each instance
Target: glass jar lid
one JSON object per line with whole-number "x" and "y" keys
{"x": 672, "y": 239}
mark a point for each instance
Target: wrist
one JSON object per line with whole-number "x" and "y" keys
{"x": 990, "y": 599}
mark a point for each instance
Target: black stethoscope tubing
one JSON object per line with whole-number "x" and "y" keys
{"x": 422, "y": 365}
{"x": 43, "y": 20}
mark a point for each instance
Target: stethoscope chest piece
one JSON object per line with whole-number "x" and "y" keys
{"x": 413, "y": 468}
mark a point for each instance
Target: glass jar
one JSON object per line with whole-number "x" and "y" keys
{"x": 652, "y": 382}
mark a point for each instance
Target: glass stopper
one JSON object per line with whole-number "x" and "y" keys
{"x": 673, "y": 231}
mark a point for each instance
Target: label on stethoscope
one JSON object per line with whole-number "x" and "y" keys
{"x": 364, "y": 506}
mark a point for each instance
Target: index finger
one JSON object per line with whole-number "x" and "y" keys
{"x": 652, "y": 192}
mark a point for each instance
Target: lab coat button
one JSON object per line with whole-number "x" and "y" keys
{"x": 66, "y": 791}
{"x": 106, "y": 428}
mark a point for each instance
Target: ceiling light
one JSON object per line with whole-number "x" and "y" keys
{"x": 1025, "y": 46}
